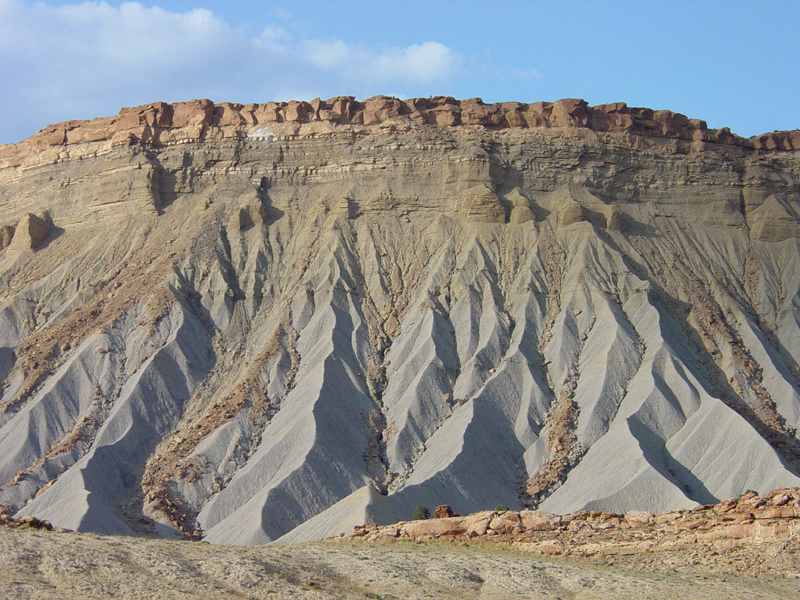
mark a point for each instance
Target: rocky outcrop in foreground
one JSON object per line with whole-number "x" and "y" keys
{"x": 747, "y": 520}
{"x": 7, "y": 520}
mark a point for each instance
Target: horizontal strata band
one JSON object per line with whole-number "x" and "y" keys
{"x": 163, "y": 123}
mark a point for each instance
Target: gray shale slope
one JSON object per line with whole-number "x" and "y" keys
{"x": 273, "y": 322}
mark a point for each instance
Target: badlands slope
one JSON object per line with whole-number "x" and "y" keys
{"x": 274, "y": 322}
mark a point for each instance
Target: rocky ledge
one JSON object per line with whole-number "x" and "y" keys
{"x": 8, "y": 520}
{"x": 744, "y": 521}
{"x": 162, "y": 123}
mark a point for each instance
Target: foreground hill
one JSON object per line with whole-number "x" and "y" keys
{"x": 264, "y": 322}
{"x": 57, "y": 566}
{"x": 742, "y": 548}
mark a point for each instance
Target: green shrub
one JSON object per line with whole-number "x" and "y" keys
{"x": 501, "y": 508}
{"x": 420, "y": 513}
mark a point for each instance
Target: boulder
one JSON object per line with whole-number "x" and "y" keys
{"x": 780, "y": 499}
{"x": 638, "y": 517}
{"x": 730, "y": 532}
{"x": 434, "y": 528}
{"x": 533, "y": 520}
{"x": 547, "y": 547}
{"x": 477, "y": 524}
{"x": 505, "y": 522}
{"x": 443, "y": 511}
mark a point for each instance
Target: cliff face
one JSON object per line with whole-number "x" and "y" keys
{"x": 253, "y": 321}
{"x": 161, "y": 124}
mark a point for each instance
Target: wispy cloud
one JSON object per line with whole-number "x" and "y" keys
{"x": 89, "y": 58}
{"x": 525, "y": 73}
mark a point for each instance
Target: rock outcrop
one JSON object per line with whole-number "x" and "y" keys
{"x": 161, "y": 123}
{"x": 749, "y": 520}
{"x": 480, "y": 204}
{"x": 7, "y": 520}
{"x": 85, "y": 566}
{"x": 521, "y": 211}
{"x": 29, "y": 233}
{"x": 249, "y": 323}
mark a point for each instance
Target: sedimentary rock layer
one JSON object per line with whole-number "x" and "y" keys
{"x": 279, "y": 321}
{"x": 747, "y": 521}
{"x": 161, "y": 123}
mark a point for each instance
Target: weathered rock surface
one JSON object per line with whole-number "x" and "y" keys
{"x": 773, "y": 221}
{"x": 263, "y": 322}
{"x": 161, "y": 124}
{"x": 29, "y": 233}
{"x": 748, "y": 521}
{"x": 8, "y": 520}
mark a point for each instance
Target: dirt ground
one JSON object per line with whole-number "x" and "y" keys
{"x": 53, "y": 565}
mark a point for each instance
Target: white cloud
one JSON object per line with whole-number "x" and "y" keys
{"x": 419, "y": 62}
{"x": 275, "y": 39}
{"x": 327, "y": 55}
{"x": 86, "y": 59}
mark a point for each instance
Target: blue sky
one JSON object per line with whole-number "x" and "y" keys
{"x": 731, "y": 63}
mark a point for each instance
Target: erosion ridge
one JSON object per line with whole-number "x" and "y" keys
{"x": 246, "y": 333}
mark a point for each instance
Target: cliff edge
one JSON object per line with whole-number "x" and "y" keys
{"x": 162, "y": 123}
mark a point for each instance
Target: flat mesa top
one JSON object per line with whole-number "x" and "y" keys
{"x": 162, "y": 123}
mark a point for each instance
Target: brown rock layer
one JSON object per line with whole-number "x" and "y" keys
{"x": 749, "y": 519}
{"x": 160, "y": 123}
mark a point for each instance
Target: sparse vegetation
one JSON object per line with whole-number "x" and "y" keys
{"x": 421, "y": 513}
